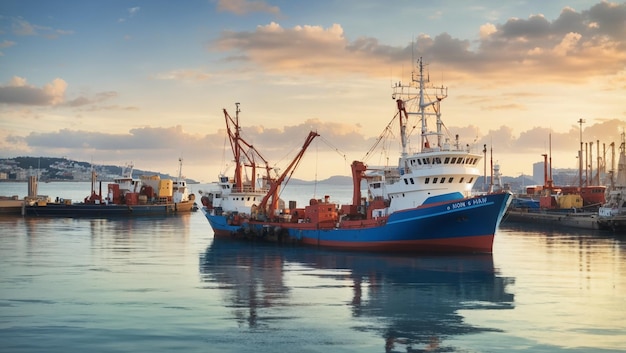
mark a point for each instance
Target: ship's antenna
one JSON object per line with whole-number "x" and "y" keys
{"x": 412, "y": 50}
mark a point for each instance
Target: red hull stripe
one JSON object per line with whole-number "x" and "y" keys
{"x": 481, "y": 243}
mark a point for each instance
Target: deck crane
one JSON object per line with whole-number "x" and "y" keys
{"x": 269, "y": 203}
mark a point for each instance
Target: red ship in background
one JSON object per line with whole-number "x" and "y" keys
{"x": 585, "y": 197}
{"x": 588, "y": 195}
{"x": 572, "y": 206}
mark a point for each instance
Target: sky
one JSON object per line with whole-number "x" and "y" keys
{"x": 145, "y": 82}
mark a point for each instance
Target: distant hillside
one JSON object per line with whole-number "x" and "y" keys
{"x": 63, "y": 169}
{"x": 333, "y": 180}
{"x": 514, "y": 183}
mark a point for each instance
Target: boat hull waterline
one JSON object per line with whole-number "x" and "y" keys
{"x": 94, "y": 210}
{"x": 465, "y": 225}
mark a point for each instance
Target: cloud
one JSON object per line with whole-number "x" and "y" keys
{"x": 302, "y": 49}
{"x": 145, "y": 138}
{"x": 183, "y": 75}
{"x": 132, "y": 11}
{"x": 18, "y": 91}
{"x": 486, "y": 30}
{"x": 21, "y": 27}
{"x": 243, "y": 7}
{"x": 155, "y": 148}
{"x": 536, "y": 139}
{"x": 6, "y": 44}
{"x": 160, "y": 147}
{"x": 98, "y": 98}
{"x": 570, "y": 48}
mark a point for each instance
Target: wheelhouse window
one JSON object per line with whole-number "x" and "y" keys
{"x": 427, "y": 180}
{"x": 435, "y": 180}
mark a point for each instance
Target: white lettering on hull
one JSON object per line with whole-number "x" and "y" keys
{"x": 477, "y": 201}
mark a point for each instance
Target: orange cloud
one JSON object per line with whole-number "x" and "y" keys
{"x": 573, "y": 47}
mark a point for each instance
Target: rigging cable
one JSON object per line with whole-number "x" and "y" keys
{"x": 386, "y": 130}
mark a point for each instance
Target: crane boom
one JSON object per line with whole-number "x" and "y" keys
{"x": 275, "y": 186}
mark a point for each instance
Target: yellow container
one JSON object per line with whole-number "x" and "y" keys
{"x": 570, "y": 201}
{"x": 166, "y": 188}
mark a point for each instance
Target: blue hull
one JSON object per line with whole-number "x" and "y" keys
{"x": 464, "y": 225}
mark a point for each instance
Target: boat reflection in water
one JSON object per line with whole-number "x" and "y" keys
{"x": 408, "y": 302}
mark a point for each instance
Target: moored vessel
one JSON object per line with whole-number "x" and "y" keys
{"x": 126, "y": 196}
{"x": 424, "y": 204}
{"x": 553, "y": 205}
{"x": 612, "y": 214}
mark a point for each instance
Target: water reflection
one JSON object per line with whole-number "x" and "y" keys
{"x": 407, "y": 302}
{"x": 117, "y": 234}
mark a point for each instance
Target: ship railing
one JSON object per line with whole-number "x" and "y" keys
{"x": 250, "y": 189}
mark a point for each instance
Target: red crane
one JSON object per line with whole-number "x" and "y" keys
{"x": 274, "y": 188}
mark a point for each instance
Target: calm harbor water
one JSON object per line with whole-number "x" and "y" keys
{"x": 165, "y": 284}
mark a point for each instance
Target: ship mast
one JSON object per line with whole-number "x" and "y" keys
{"x": 422, "y": 106}
{"x": 243, "y": 158}
{"x": 402, "y": 97}
{"x": 234, "y": 141}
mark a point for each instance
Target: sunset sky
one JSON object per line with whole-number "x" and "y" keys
{"x": 113, "y": 82}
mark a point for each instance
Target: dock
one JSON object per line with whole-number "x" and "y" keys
{"x": 581, "y": 220}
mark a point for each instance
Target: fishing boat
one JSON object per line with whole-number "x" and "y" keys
{"x": 424, "y": 204}
{"x": 126, "y": 196}
{"x": 612, "y": 214}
